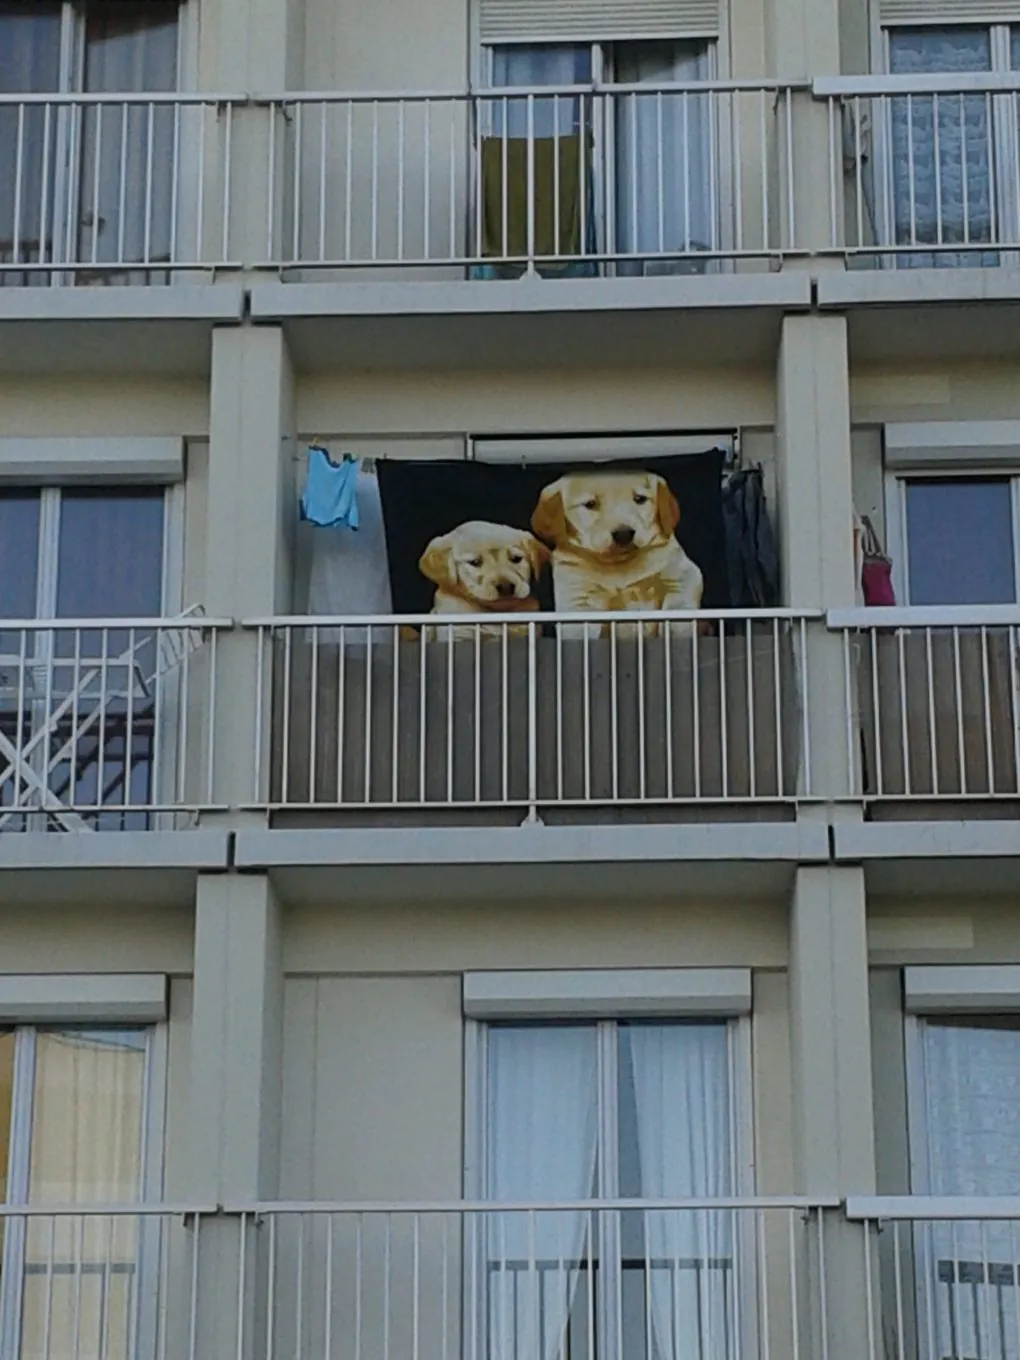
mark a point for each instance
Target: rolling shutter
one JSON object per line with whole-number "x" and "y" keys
{"x": 944, "y": 13}
{"x": 531, "y": 21}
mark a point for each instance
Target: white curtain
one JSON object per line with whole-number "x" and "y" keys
{"x": 555, "y": 64}
{"x": 957, "y": 203}
{"x": 972, "y": 1120}
{"x": 29, "y": 63}
{"x": 664, "y": 191}
{"x": 682, "y": 1096}
{"x": 542, "y": 1130}
{"x": 349, "y": 571}
{"x": 86, "y": 1147}
{"x": 125, "y": 200}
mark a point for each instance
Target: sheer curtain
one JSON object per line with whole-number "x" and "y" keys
{"x": 664, "y": 198}
{"x": 972, "y": 1120}
{"x": 555, "y": 64}
{"x": 128, "y": 48}
{"x": 29, "y": 63}
{"x": 542, "y": 1130}
{"x": 682, "y": 1090}
{"x": 86, "y": 1147}
{"x": 942, "y": 191}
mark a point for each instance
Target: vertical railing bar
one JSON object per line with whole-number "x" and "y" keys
{"x": 297, "y": 198}
{"x": 369, "y": 707}
{"x": 323, "y": 177}
{"x": 313, "y": 715}
{"x": 986, "y": 706}
{"x": 400, "y": 178}
{"x": 667, "y": 653}
{"x": 327, "y": 1349}
{"x": 19, "y": 168}
{"x": 752, "y": 755}
{"x": 724, "y": 734}
{"x": 96, "y": 171}
{"x": 341, "y": 713}
{"x": 175, "y": 181}
{"x": 288, "y": 661}
{"x": 228, "y": 153}
{"x": 898, "y": 1284}
{"x": 395, "y": 721}
{"x": 375, "y": 182}
{"x": 129, "y": 732}
{"x": 149, "y": 156}
{"x": 451, "y": 678}
{"x": 642, "y": 753}
{"x": 122, "y": 184}
{"x": 695, "y": 702}
{"x": 869, "y": 1289}
{"x": 271, "y": 186}
{"x": 614, "y": 701}
{"x": 588, "y": 735}
{"x": 349, "y": 181}
{"x": 422, "y": 711}
{"x": 961, "y": 746}
{"x": 532, "y": 722}
{"x": 242, "y": 1272}
{"x": 104, "y": 680}
{"x": 426, "y": 250}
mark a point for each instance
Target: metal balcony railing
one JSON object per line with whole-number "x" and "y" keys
{"x": 932, "y": 701}
{"x": 116, "y": 188}
{"x": 924, "y": 170}
{"x": 399, "y": 713}
{"x": 942, "y": 1276}
{"x": 107, "y": 724}
{"x": 572, "y": 180}
{"x": 710, "y": 1279}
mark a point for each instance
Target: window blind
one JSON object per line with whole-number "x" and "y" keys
{"x": 946, "y": 12}
{"x": 532, "y": 21}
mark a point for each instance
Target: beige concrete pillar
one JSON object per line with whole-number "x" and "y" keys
{"x": 816, "y": 532}
{"x": 833, "y": 1108}
{"x": 252, "y": 512}
{"x": 236, "y": 1078}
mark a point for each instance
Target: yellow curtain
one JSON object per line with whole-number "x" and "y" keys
{"x": 560, "y": 178}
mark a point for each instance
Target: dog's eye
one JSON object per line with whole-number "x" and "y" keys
{"x": 474, "y": 561}
{"x": 640, "y": 498}
{"x": 515, "y": 558}
{"x": 592, "y": 504}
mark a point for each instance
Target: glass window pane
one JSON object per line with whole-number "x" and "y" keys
{"x": 960, "y": 541}
{"x": 128, "y": 47}
{"x": 956, "y": 205}
{"x": 19, "y": 553}
{"x": 541, "y": 64}
{"x": 110, "y": 558}
{"x": 88, "y": 1102}
{"x": 29, "y": 63}
{"x": 662, "y": 214}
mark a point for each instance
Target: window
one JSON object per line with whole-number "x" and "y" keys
{"x": 954, "y": 538}
{"x": 964, "y": 1080}
{"x": 74, "y": 1110}
{"x": 80, "y": 703}
{"x": 642, "y": 179}
{"x": 609, "y": 1110}
{"x": 90, "y": 183}
{"x": 952, "y": 155}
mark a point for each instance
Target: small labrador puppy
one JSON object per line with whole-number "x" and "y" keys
{"x": 481, "y": 568}
{"x": 614, "y": 545}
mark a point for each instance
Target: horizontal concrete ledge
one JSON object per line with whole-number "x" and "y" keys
{"x": 211, "y": 302}
{"x": 916, "y": 287}
{"x": 279, "y": 301}
{"x": 199, "y": 851}
{"x": 420, "y": 846}
{"x": 858, "y": 842}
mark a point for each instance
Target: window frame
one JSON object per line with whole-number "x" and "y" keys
{"x": 1005, "y": 142}
{"x": 601, "y": 64}
{"x": 740, "y": 1061}
{"x": 896, "y": 480}
{"x": 151, "y": 1166}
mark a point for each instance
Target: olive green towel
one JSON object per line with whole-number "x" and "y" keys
{"x": 505, "y": 163}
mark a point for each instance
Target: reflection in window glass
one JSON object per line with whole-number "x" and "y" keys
{"x": 19, "y": 553}
{"x": 960, "y": 541}
{"x": 111, "y": 554}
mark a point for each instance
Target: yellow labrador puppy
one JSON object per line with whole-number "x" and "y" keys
{"x": 481, "y": 568}
{"x": 614, "y": 548}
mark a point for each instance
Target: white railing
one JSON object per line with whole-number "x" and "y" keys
{"x": 624, "y": 179}
{"x": 932, "y": 701}
{"x": 924, "y": 169}
{"x": 400, "y": 712}
{"x": 710, "y": 1279}
{"x": 107, "y": 724}
{"x": 942, "y": 1276}
{"x": 117, "y": 188}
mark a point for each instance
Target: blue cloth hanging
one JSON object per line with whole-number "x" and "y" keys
{"x": 329, "y": 498}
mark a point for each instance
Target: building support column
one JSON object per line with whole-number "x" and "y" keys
{"x": 236, "y": 1078}
{"x": 252, "y": 511}
{"x": 833, "y": 1108}
{"x": 816, "y": 537}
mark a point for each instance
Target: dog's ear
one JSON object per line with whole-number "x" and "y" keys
{"x": 538, "y": 555}
{"x": 667, "y": 507}
{"x": 436, "y": 562}
{"x": 548, "y": 522}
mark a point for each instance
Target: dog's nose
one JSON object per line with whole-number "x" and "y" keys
{"x": 623, "y": 536}
{"x": 505, "y": 589}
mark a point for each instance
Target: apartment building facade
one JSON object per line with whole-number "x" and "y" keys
{"x": 336, "y": 946}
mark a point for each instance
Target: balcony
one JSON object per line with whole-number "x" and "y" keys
{"x": 107, "y": 724}
{"x": 568, "y": 718}
{"x": 707, "y": 1279}
{"x": 934, "y": 699}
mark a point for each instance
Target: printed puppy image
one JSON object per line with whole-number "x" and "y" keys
{"x": 612, "y": 535}
{"x": 483, "y": 568}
